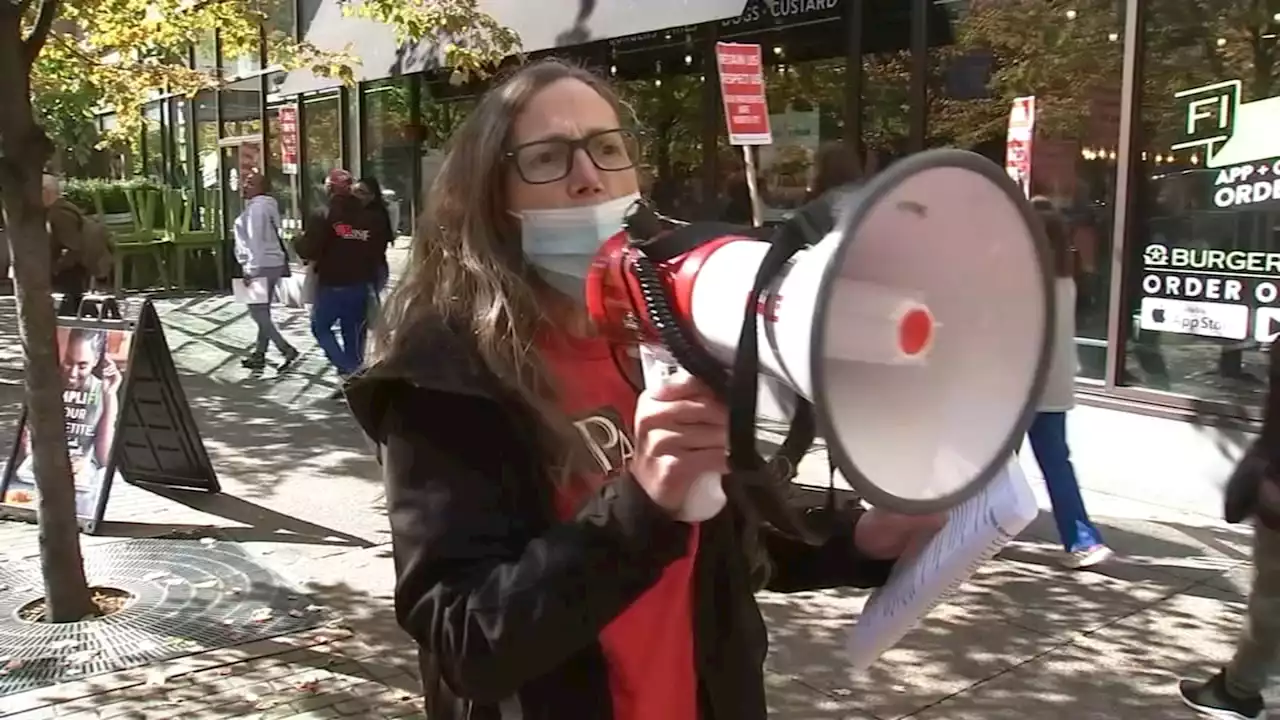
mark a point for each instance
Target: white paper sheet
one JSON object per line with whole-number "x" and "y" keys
{"x": 253, "y": 292}
{"x": 975, "y": 531}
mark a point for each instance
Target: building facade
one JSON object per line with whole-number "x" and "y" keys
{"x": 1155, "y": 130}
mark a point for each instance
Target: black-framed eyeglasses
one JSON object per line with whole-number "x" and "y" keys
{"x": 547, "y": 161}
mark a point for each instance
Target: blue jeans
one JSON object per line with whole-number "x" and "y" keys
{"x": 1048, "y": 435}
{"x": 346, "y": 306}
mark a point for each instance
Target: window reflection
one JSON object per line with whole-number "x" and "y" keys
{"x": 179, "y": 164}
{"x": 206, "y": 138}
{"x": 153, "y": 117}
{"x": 283, "y": 169}
{"x": 1204, "y": 262}
{"x": 1071, "y": 63}
{"x": 323, "y": 120}
{"x": 388, "y": 147}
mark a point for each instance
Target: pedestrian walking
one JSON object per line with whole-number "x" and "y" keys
{"x": 369, "y": 192}
{"x": 1081, "y": 540}
{"x": 344, "y": 245}
{"x": 1252, "y": 493}
{"x": 263, "y": 261}
{"x": 532, "y": 491}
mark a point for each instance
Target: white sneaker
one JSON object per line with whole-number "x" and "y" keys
{"x": 1088, "y": 557}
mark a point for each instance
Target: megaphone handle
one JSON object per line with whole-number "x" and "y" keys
{"x": 706, "y": 496}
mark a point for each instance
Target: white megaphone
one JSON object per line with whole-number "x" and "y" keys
{"x": 919, "y": 329}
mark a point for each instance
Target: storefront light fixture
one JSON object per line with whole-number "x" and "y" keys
{"x": 1113, "y": 37}
{"x": 1222, "y": 41}
{"x": 688, "y": 59}
{"x": 657, "y": 83}
{"x": 1276, "y": 17}
{"x": 1195, "y": 159}
{"x": 1071, "y": 14}
{"x": 777, "y": 50}
{"x": 613, "y": 69}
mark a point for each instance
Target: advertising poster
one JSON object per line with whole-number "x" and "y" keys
{"x": 94, "y": 364}
{"x": 1017, "y": 146}
{"x": 1196, "y": 279}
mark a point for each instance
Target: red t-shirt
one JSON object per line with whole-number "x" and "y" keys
{"x": 649, "y": 647}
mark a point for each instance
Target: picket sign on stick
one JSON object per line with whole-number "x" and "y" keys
{"x": 746, "y": 109}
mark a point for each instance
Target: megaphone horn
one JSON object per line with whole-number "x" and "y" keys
{"x": 920, "y": 328}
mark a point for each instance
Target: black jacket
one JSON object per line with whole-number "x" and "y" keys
{"x": 505, "y": 602}
{"x": 1253, "y": 490}
{"x": 347, "y": 242}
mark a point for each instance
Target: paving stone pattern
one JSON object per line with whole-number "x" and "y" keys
{"x": 1021, "y": 639}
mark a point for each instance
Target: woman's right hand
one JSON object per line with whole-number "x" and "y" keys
{"x": 682, "y": 433}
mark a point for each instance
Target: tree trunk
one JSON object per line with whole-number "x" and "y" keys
{"x": 24, "y": 149}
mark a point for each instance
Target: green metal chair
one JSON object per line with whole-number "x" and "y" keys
{"x": 144, "y": 242}
{"x": 186, "y": 241}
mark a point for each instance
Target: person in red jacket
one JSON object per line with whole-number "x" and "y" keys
{"x": 345, "y": 246}
{"x": 532, "y": 490}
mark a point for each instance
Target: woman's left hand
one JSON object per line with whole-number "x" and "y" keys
{"x": 884, "y": 535}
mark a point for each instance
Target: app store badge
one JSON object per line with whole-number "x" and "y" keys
{"x": 1222, "y": 320}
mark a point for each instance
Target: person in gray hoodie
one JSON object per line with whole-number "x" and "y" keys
{"x": 261, "y": 255}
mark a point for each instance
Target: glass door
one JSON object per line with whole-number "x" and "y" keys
{"x": 239, "y": 158}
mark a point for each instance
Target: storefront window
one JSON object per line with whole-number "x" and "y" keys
{"x": 179, "y": 166}
{"x": 323, "y": 120}
{"x": 206, "y": 132}
{"x": 1069, "y": 61}
{"x": 242, "y": 108}
{"x": 283, "y": 169}
{"x": 207, "y": 51}
{"x": 153, "y": 118}
{"x": 440, "y": 116}
{"x": 1202, "y": 288}
{"x": 806, "y": 105}
{"x": 389, "y": 151}
{"x": 668, "y": 115}
{"x": 279, "y": 26}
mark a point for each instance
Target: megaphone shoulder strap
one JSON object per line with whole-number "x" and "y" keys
{"x": 744, "y": 457}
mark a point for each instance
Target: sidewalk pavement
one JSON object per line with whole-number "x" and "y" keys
{"x": 302, "y": 495}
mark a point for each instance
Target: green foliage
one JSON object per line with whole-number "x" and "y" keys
{"x": 122, "y": 53}
{"x": 81, "y": 193}
{"x": 472, "y": 40}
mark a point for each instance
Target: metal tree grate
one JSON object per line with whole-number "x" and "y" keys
{"x": 189, "y": 596}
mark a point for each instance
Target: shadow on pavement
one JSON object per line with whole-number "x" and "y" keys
{"x": 258, "y": 523}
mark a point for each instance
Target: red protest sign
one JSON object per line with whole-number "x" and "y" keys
{"x": 746, "y": 112}
{"x": 288, "y": 116}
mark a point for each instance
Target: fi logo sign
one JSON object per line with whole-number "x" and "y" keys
{"x": 1239, "y": 140}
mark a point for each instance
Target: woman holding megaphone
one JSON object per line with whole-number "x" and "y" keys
{"x": 532, "y": 490}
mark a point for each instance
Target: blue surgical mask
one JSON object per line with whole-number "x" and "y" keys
{"x": 562, "y": 242}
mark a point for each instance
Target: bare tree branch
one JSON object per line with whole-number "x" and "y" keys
{"x": 40, "y": 33}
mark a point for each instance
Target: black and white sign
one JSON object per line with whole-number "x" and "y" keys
{"x": 1220, "y": 320}
{"x": 1266, "y": 324}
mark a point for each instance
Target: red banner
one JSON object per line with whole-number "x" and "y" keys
{"x": 288, "y": 115}
{"x": 1018, "y": 143}
{"x": 746, "y": 111}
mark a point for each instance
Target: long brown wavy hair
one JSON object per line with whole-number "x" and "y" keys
{"x": 467, "y": 269}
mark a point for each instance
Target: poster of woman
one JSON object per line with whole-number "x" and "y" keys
{"x": 94, "y": 363}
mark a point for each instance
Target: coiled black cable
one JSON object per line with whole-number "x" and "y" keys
{"x": 675, "y": 336}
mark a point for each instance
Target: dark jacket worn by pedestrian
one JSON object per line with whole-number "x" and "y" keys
{"x": 1253, "y": 490}
{"x": 506, "y": 602}
{"x": 345, "y": 244}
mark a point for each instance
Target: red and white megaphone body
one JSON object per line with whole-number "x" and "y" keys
{"x": 920, "y": 329}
